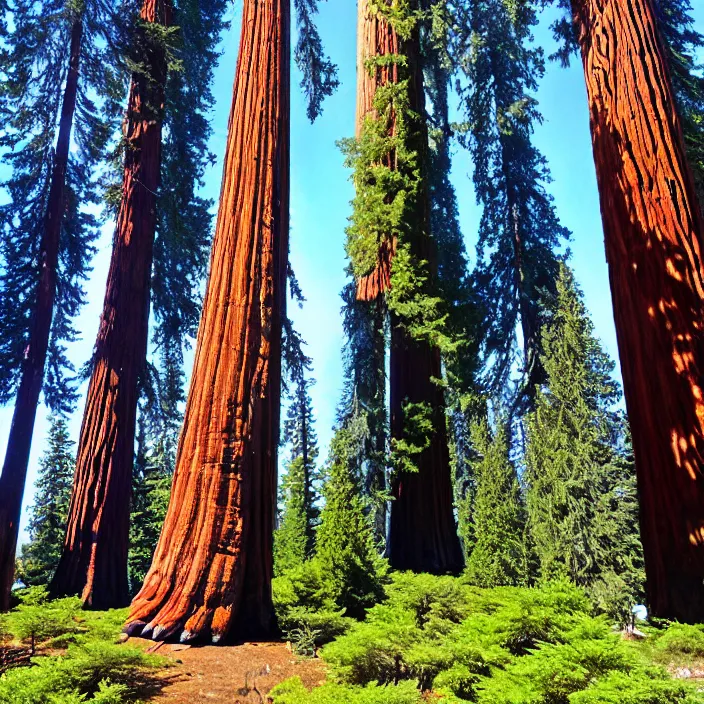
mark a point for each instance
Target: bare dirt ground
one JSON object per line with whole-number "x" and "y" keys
{"x": 238, "y": 674}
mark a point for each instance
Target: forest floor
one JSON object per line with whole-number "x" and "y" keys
{"x": 239, "y": 674}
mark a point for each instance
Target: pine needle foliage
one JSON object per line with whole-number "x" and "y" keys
{"x": 47, "y": 524}
{"x": 345, "y": 545}
{"x": 294, "y": 539}
{"x": 318, "y": 73}
{"x": 389, "y": 201}
{"x": 580, "y": 481}
{"x": 519, "y": 233}
{"x": 453, "y": 642}
{"x": 291, "y": 547}
{"x": 498, "y": 556}
{"x": 365, "y": 328}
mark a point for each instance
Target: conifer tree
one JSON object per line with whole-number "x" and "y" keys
{"x": 39, "y": 557}
{"x": 294, "y": 539}
{"x": 61, "y": 85}
{"x": 364, "y": 396}
{"x": 94, "y": 560}
{"x": 519, "y": 232}
{"x": 299, "y": 433}
{"x": 345, "y": 545}
{"x": 580, "y": 487}
{"x": 392, "y": 255}
{"x": 228, "y": 446}
{"x": 162, "y": 236}
{"x": 291, "y": 541}
{"x": 498, "y": 556}
{"x": 653, "y": 232}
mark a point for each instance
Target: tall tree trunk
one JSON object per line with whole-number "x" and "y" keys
{"x": 423, "y": 534}
{"x": 653, "y": 232}
{"x": 14, "y": 471}
{"x": 211, "y": 574}
{"x": 94, "y": 559}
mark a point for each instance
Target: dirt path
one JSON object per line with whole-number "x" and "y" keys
{"x": 239, "y": 674}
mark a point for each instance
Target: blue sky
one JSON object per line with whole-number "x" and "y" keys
{"x": 320, "y": 195}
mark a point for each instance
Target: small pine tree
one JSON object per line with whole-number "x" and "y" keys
{"x": 47, "y": 524}
{"x": 345, "y": 546}
{"x": 294, "y": 539}
{"x": 580, "y": 494}
{"x": 291, "y": 547}
{"x": 498, "y": 554}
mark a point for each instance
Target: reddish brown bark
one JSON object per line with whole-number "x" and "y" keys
{"x": 653, "y": 233}
{"x": 94, "y": 559}
{"x": 14, "y": 471}
{"x": 375, "y": 37}
{"x": 211, "y": 574}
{"x": 423, "y": 535}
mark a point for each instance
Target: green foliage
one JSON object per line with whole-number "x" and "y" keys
{"x": 47, "y": 524}
{"x": 295, "y": 537}
{"x": 581, "y": 498}
{"x": 184, "y": 217}
{"x": 34, "y": 65}
{"x": 291, "y": 537}
{"x": 58, "y": 622}
{"x": 294, "y": 692}
{"x": 103, "y": 672}
{"x": 318, "y": 73}
{"x": 681, "y": 639}
{"x": 498, "y": 557}
{"x": 389, "y": 171}
{"x": 345, "y": 547}
{"x": 505, "y": 645}
{"x": 635, "y": 688}
{"x": 554, "y": 671}
{"x": 364, "y": 398}
{"x": 519, "y": 232}
{"x": 37, "y": 619}
{"x": 94, "y": 668}
{"x": 306, "y": 610}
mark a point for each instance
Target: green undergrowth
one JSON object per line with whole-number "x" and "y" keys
{"x": 441, "y": 639}
{"x": 78, "y": 658}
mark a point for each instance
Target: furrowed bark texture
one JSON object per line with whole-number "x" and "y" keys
{"x": 94, "y": 559}
{"x": 211, "y": 574}
{"x": 14, "y": 471}
{"x": 423, "y": 535}
{"x": 653, "y": 233}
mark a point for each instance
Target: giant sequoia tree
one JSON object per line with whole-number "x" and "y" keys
{"x": 653, "y": 232}
{"x": 392, "y": 255}
{"x": 59, "y": 88}
{"x": 211, "y": 573}
{"x": 94, "y": 561}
